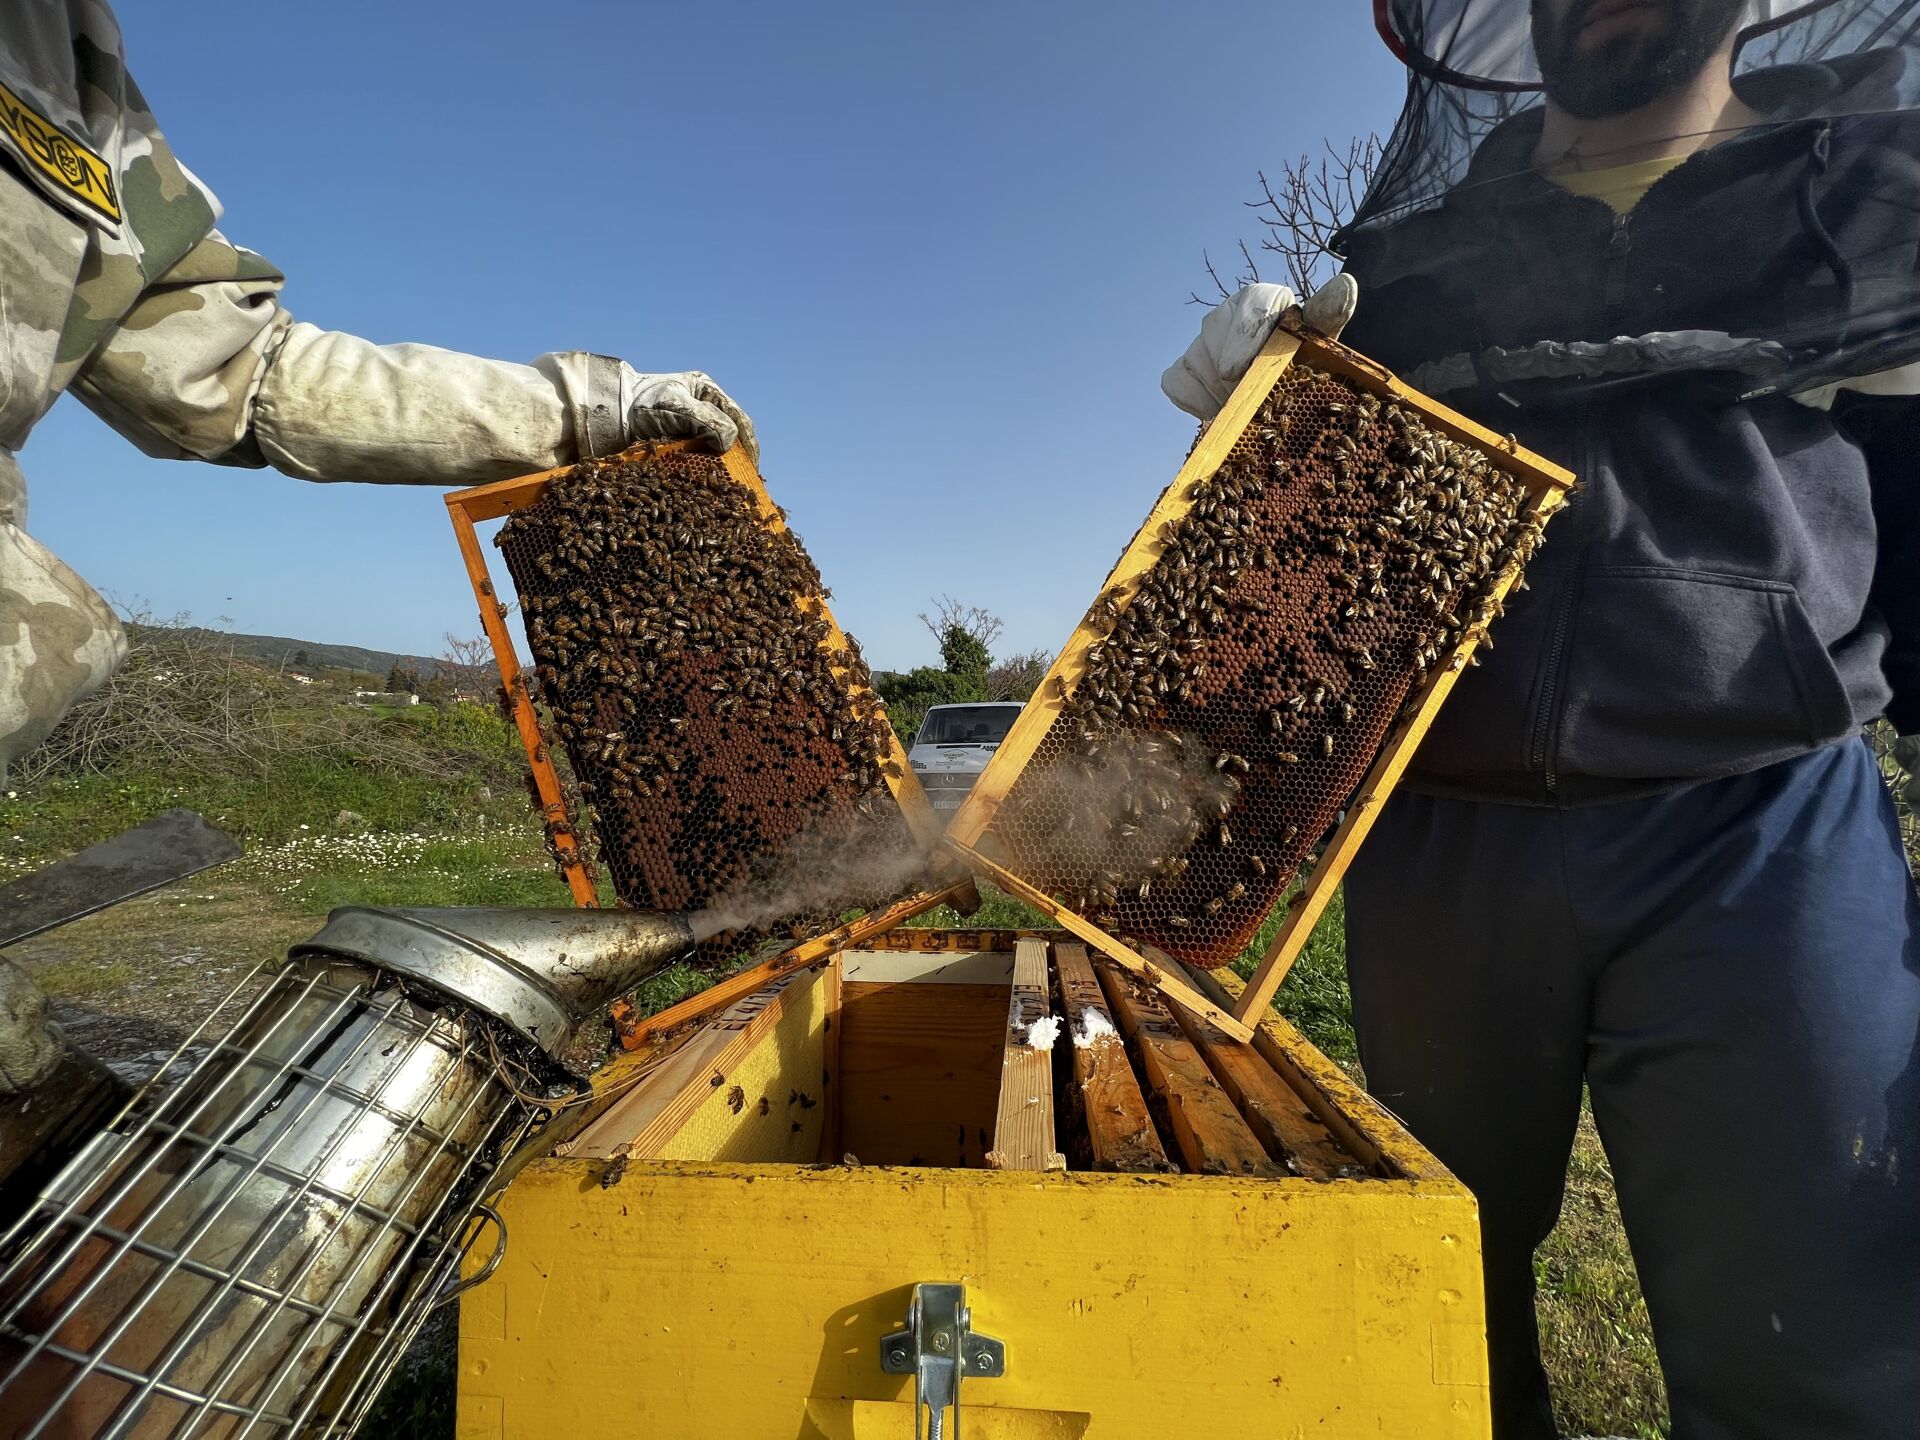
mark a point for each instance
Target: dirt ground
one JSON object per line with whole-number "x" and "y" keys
{"x": 129, "y": 984}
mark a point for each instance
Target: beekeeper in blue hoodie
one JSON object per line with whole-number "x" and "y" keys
{"x": 1673, "y": 245}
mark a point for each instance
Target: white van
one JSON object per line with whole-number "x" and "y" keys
{"x": 954, "y": 745}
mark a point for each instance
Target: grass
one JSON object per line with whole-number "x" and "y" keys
{"x": 1594, "y": 1330}
{"x": 1314, "y": 994}
{"x": 73, "y": 979}
{"x": 462, "y": 869}
{"x": 63, "y": 813}
{"x": 998, "y": 911}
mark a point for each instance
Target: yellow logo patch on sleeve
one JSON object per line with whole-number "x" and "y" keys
{"x": 58, "y": 156}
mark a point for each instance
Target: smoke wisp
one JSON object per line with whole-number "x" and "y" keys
{"x": 822, "y": 874}
{"x": 1114, "y": 816}
{"x": 1120, "y": 813}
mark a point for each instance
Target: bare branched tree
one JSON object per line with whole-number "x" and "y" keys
{"x": 1018, "y": 676}
{"x": 185, "y": 704}
{"x": 982, "y": 624}
{"x": 468, "y": 663}
{"x": 1301, "y": 210}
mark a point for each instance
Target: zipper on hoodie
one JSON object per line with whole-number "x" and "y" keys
{"x": 1550, "y": 687}
{"x": 1545, "y": 720}
{"x": 1619, "y": 246}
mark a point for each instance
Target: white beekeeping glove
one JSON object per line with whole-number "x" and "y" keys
{"x": 688, "y": 403}
{"x": 611, "y": 405}
{"x": 1200, "y": 381}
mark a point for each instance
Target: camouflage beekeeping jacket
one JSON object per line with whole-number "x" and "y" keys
{"x": 115, "y": 285}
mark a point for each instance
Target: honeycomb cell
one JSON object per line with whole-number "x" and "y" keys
{"x": 1237, "y": 699}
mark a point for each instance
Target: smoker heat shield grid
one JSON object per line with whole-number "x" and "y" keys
{"x": 752, "y": 781}
{"x": 250, "y": 1250}
{"x": 1269, "y": 649}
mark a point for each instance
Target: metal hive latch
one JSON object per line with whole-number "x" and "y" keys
{"x": 939, "y": 1348}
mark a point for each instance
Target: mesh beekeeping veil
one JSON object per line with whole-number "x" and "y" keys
{"x": 1779, "y": 258}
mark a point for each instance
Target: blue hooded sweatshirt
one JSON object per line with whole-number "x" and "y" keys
{"x": 1737, "y": 579}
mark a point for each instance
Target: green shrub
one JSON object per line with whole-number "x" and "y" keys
{"x": 186, "y": 722}
{"x": 909, "y": 696}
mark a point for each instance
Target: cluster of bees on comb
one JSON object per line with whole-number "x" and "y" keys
{"x": 684, "y": 660}
{"x": 1250, "y": 676}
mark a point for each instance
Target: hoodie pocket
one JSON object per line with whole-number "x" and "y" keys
{"x": 1692, "y": 673}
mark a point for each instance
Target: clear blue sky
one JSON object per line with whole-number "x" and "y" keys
{"x": 940, "y": 253}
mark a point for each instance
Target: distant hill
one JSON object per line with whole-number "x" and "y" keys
{"x": 279, "y": 650}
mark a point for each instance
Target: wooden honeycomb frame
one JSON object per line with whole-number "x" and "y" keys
{"x": 1546, "y": 485}
{"x": 467, "y": 509}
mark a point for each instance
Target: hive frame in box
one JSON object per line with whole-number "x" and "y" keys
{"x": 467, "y": 508}
{"x": 1547, "y": 486}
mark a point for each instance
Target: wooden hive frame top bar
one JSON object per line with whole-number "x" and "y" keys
{"x": 1271, "y": 1108}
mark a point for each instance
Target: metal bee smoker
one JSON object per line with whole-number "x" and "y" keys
{"x": 250, "y": 1250}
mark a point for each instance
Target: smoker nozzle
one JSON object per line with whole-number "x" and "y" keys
{"x": 542, "y": 972}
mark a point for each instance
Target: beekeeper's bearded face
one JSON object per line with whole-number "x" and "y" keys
{"x": 1606, "y": 57}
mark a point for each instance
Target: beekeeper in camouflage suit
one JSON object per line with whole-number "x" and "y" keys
{"x": 114, "y": 284}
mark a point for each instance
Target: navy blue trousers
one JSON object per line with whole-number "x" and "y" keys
{"x": 1734, "y": 971}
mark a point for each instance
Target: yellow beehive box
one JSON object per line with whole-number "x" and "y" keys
{"x": 1168, "y": 1232}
